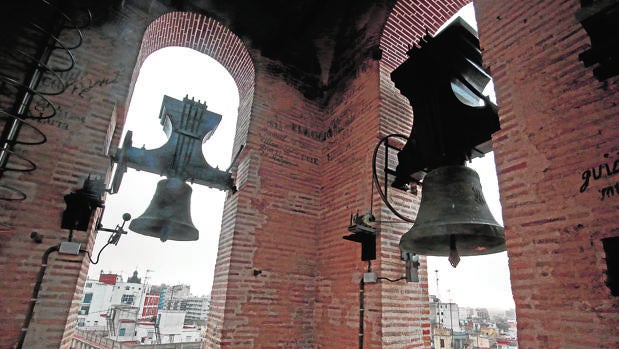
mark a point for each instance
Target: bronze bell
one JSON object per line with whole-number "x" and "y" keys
{"x": 168, "y": 216}
{"x": 453, "y": 217}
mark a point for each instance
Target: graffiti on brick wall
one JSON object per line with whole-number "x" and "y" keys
{"x": 273, "y": 144}
{"x": 275, "y": 136}
{"x": 606, "y": 169}
{"x": 76, "y": 84}
{"x": 63, "y": 119}
{"x": 334, "y": 128}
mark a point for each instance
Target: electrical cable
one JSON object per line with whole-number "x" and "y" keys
{"x": 361, "y": 311}
{"x": 375, "y": 177}
{"x": 391, "y": 280}
{"x": 114, "y": 238}
{"x": 35, "y": 294}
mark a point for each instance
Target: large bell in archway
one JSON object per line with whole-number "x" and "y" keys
{"x": 168, "y": 217}
{"x": 453, "y": 219}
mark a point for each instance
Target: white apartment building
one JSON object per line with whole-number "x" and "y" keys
{"x": 447, "y": 315}
{"x": 197, "y": 308}
{"x": 101, "y": 296}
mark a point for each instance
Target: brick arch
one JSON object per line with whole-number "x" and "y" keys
{"x": 407, "y": 23}
{"x": 212, "y": 38}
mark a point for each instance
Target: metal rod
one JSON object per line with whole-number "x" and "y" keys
{"x": 35, "y": 294}
{"x": 361, "y": 311}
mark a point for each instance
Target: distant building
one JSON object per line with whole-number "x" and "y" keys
{"x": 482, "y": 314}
{"x": 481, "y": 342}
{"x": 95, "y": 304}
{"x": 162, "y": 290}
{"x": 121, "y": 323}
{"x": 101, "y": 298}
{"x": 109, "y": 279}
{"x": 507, "y": 343}
{"x": 442, "y": 338}
{"x": 434, "y": 301}
{"x": 165, "y": 329}
{"x": 447, "y": 316}
{"x": 196, "y": 307}
{"x": 178, "y": 292}
{"x": 134, "y": 279}
{"x": 151, "y": 305}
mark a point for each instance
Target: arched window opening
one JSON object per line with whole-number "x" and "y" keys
{"x": 480, "y": 281}
{"x": 176, "y": 72}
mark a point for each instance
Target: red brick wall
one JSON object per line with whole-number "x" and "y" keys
{"x": 97, "y": 91}
{"x": 284, "y": 275}
{"x": 75, "y": 148}
{"x": 557, "y": 121}
{"x": 346, "y": 167}
{"x": 266, "y": 263}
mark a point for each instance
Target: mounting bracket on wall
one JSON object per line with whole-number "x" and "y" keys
{"x": 364, "y": 233}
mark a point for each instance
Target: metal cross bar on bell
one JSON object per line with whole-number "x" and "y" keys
{"x": 187, "y": 124}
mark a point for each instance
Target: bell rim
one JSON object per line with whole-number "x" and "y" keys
{"x": 434, "y": 240}
{"x": 148, "y": 227}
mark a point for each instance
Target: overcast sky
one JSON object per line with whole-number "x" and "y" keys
{"x": 481, "y": 281}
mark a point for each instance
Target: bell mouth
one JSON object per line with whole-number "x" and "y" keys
{"x": 470, "y": 240}
{"x": 453, "y": 216}
{"x": 168, "y": 217}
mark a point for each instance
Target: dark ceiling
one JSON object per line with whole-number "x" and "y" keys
{"x": 316, "y": 45}
{"x": 317, "y": 42}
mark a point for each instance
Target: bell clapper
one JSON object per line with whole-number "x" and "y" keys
{"x": 454, "y": 258}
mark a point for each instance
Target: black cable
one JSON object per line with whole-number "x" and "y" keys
{"x": 375, "y": 177}
{"x": 112, "y": 240}
{"x": 391, "y": 222}
{"x": 98, "y": 254}
{"x": 391, "y": 280}
{"x": 35, "y": 294}
{"x": 361, "y": 312}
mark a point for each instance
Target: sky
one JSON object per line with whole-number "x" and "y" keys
{"x": 481, "y": 281}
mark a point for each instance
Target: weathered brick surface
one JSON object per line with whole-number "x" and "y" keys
{"x": 284, "y": 275}
{"x": 271, "y": 269}
{"x": 75, "y": 149}
{"x": 557, "y": 122}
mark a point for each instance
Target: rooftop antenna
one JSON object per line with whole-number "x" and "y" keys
{"x": 438, "y": 294}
